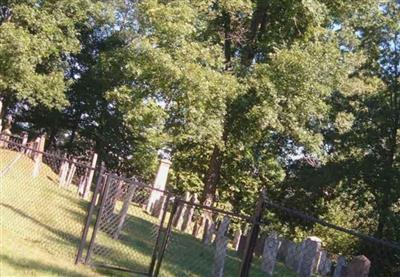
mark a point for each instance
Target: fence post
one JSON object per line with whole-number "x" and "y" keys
{"x": 89, "y": 214}
{"x": 252, "y": 236}
{"x": 166, "y": 237}
{"x": 90, "y": 177}
{"x": 155, "y": 249}
{"x": 98, "y": 218}
{"x": 38, "y": 156}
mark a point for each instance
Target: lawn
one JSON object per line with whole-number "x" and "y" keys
{"x": 41, "y": 224}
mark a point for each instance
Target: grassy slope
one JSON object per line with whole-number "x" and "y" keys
{"x": 38, "y": 222}
{"x": 41, "y": 224}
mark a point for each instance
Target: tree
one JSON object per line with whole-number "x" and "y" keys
{"x": 36, "y": 38}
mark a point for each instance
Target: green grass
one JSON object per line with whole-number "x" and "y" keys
{"x": 41, "y": 224}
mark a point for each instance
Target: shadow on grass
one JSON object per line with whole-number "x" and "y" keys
{"x": 61, "y": 234}
{"x": 32, "y": 265}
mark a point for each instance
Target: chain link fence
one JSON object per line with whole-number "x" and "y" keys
{"x": 133, "y": 227}
{"x": 40, "y": 201}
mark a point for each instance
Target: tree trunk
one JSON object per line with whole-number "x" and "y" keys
{"x": 213, "y": 174}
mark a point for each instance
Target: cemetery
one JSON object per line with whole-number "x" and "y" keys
{"x": 200, "y": 138}
{"x": 202, "y": 241}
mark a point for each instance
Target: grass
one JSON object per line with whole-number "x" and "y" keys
{"x": 41, "y": 224}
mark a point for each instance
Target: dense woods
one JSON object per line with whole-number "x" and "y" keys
{"x": 299, "y": 96}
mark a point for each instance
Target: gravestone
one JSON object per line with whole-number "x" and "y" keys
{"x": 283, "y": 248}
{"x": 292, "y": 255}
{"x": 178, "y": 218}
{"x": 209, "y": 230}
{"x": 71, "y": 173}
{"x": 258, "y": 249}
{"x": 242, "y": 244}
{"x": 188, "y": 215}
{"x": 324, "y": 264}
{"x": 358, "y": 267}
{"x": 159, "y": 184}
{"x": 270, "y": 252}
{"x": 158, "y": 207}
{"x": 124, "y": 211}
{"x": 89, "y": 179}
{"x": 197, "y": 228}
{"x": 223, "y": 227}
{"x": 236, "y": 239}
{"x": 38, "y": 156}
{"x": 221, "y": 245}
{"x": 308, "y": 257}
{"x": 63, "y": 172}
{"x": 340, "y": 267}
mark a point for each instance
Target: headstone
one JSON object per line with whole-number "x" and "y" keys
{"x": 292, "y": 256}
{"x": 236, "y": 239}
{"x": 197, "y": 228}
{"x": 158, "y": 207}
{"x": 82, "y": 181}
{"x": 63, "y": 172}
{"x": 24, "y": 141}
{"x": 340, "y": 267}
{"x": 89, "y": 179}
{"x": 258, "y": 250}
{"x": 223, "y": 227}
{"x": 324, "y": 264}
{"x": 38, "y": 157}
{"x": 188, "y": 215}
{"x": 309, "y": 255}
{"x": 358, "y": 267}
{"x": 209, "y": 230}
{"x": 1, "y": 108}
{"x": 71, "y": 173}
{"x": 178, "y": 218}
{"x": 124, "y": 211}
{"x": 221, "y": 245}
{"x": 270, "y": 251}
{"x": 159, "y": 184}
{"x": 242, "y": 244}
{"x": 284, "y": 243}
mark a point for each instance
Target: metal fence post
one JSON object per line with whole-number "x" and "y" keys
{"x": 98, "y": 218}
{"x": 155, "y": 250}
{"x": 253, "y": 235}
{"x": 89, "y": 214}
{"x": 166, "y": 238}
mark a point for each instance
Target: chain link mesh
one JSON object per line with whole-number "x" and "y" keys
{"x": 34, "y": 206}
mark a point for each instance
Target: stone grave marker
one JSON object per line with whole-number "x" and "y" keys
{"x": 308, "y": 256}
{"x": 358, "y": 267}
{"x": 270, "y": 252}
{"x": 188, "y": 215}
{"x": 340, "y": 267}
{"x": 236, "y": 239}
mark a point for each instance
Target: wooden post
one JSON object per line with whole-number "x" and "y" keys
{"x": 89, "y": 179}
{"x": 38, "y": 156}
